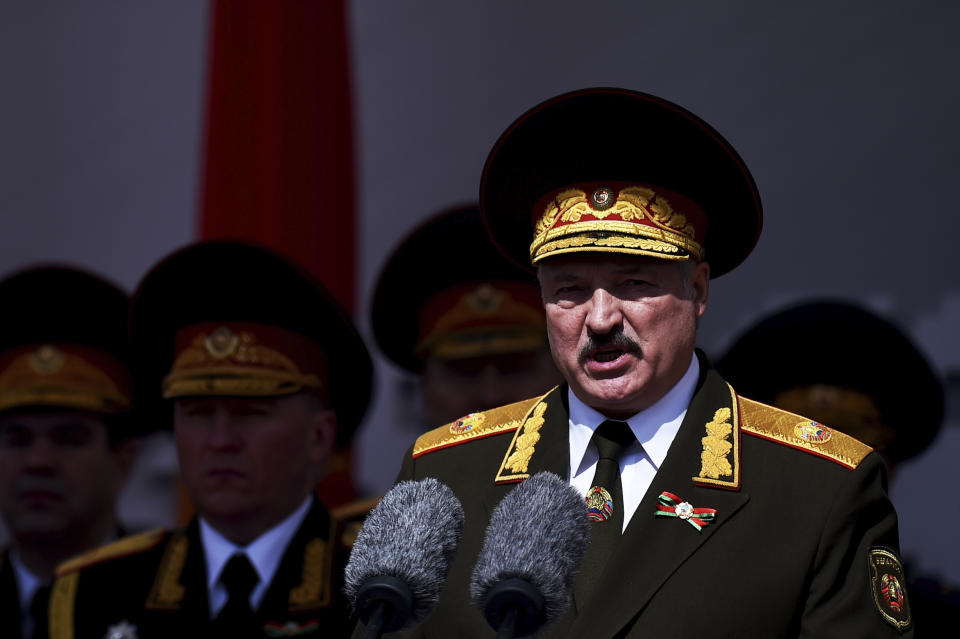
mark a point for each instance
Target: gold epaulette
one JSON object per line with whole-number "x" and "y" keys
{"x": 801, "y": 433}
{"x": 503, "y": 419}
{"x": 122, "y": 547}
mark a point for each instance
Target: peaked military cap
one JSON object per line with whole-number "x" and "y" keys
{"x": 63, "y": 342}
{"x": 468, "y": 299}
{"x": 613, "y": 170}
{"x": 231, "y": 318}
{"x": 841, "y": 358}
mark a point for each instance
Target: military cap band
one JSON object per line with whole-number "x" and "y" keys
{"x": 618, "y": 218}
{"x": 72, "y": 376}
{"x": 483, "y": 318}
{"x": 243, "y": 359}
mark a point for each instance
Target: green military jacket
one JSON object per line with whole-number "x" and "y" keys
{"x": 9, "y": 598}
{"x": 804, "y": 543}
{"x": 155, "y": 585}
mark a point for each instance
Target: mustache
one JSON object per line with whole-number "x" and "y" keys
{"x": 615, "y": 339}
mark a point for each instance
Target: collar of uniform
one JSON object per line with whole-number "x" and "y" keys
{"x": 654, "y": 427}
{"x": 264, "y": 553}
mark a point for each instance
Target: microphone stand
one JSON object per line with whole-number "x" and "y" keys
{"x": 384, "y": 604}
{"x": 515, "y": 608}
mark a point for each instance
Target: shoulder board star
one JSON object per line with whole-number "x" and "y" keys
{"x": 122, "y": 547}
{"x": 801, "y": 433}
{"x": 503, "y": 419}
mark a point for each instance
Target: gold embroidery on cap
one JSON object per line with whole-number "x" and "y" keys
{"x": 716, "y": 446}
{"x": 46, "y": 359}
{"x": 222, "y": 343}
{"x": 234, "y": 363}
{"x": 485, "y": 299}
{"x": 615, "y": 241}
{"x": 666, "y": 225}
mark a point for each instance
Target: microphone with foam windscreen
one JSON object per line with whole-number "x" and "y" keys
{"x": 401, "y": 557}
{"x": 523, "y": 579}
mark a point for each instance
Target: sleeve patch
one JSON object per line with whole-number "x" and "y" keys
{"x": 889, "y": 588}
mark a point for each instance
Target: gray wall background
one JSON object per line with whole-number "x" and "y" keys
{"x": 846, "y": 114}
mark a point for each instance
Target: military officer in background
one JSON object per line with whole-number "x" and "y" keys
{"x": 711, "y": 514}
{"x": 66, "y": 444}
{"x": 843, "y": 365}
{"x": 260, "y": 372}
{"x": 449, "y": 308}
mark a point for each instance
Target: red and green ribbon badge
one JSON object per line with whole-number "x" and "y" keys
{"x": 672, "y": 506}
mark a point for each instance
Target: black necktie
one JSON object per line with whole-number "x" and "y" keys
{"x": 605, "y": 500}
{"x": 236, "y": 618}
{"x": 38, "y": 610}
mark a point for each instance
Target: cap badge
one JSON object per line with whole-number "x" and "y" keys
{"x": 813, "y": 432}
{"x": 46, "y": 359}
{"x": 888, "y": 592}
{"x": 485, "y": 299}
{"x": 602, "y": 199}
{"x": 669, "y": 505}
{"x": 222, "y": 343}
{"x": 466, "y": 423}
{"x": 599, "y": 504}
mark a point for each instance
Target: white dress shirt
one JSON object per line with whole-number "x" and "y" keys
{"x": 27, "y": 585}
{"x": 654, "y": 429}
{"x": 264, "y": 553}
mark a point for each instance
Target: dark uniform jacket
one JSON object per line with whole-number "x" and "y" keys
{"x": 155, "y": 585}
{"x": 804, "y": 543}
{"x": 9, "y": 598}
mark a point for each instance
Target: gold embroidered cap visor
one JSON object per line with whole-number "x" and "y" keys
{"x": 63, "y": 342}
{"x": 467, "y": 299}
{"x": 618, "y": 171}
{"x": 231, "y": 318}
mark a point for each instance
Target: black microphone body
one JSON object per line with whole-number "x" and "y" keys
{"x": 401, "y": 557}
{"x": 523, "y": 579}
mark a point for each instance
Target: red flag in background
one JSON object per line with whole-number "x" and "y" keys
{"x": 278, "y": 166}
{"x": 279, "y": 151}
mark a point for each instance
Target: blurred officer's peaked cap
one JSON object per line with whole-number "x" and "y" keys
{"x": 844, "y": 366}
{"x": 228, "y": 318}
{"x": 63, "y": 342}
{"x": 446, "y": 291}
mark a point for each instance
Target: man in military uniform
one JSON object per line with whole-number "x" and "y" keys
{"x": 65, "y": 429}
{"x": 713, "y": 515}
{"x": 476, "y": 337}
{"x": 263, "y": 372}
{"x": 819, "y": 358}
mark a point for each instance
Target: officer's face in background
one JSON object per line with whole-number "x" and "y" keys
{"x": 58, "y": 473}
{"x": 452, "y": 388}
{"x": 622, "y": 328}
{"x": 248, "y": 462}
